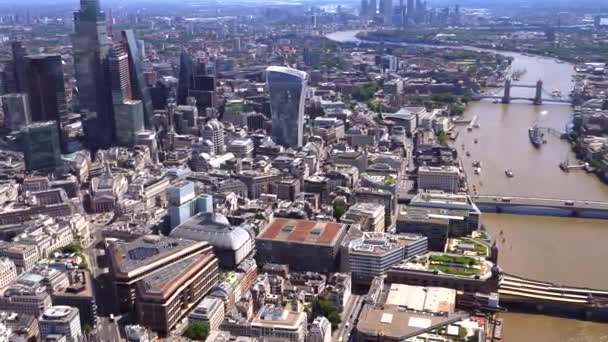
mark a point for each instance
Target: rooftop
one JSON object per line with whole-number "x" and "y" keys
{"x": 409, "y": 311}
{"x": 381, "y": 243}
{"x": 302, "y": 231}
{"x": 131, "y": 256}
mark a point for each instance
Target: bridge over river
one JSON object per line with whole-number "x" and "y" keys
{"x": 541, "y": 206}
{"x": 538, "y": 98}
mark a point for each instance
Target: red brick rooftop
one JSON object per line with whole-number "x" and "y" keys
{"x": 305, "y": 231}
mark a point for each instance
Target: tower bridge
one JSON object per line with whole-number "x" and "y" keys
{"x": 536, "y": 100}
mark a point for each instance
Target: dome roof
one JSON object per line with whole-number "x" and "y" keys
{"x": 214, "y": 125}
{"x": 215, "y": 229}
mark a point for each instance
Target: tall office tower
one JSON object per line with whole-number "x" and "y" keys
{"x": 120, "y": 77}
{"x": 91, "y": 47}
{"x": 386, "y": 9}
{"x": 411, "y": 11}
{"x": 18, "y": 67}
{"x": 287, "y": 88}
{"x": 186, "y": 77}
{"x": 39, "y": 143}
{"x": 129, "y": 119}
{"x": 372, "y": 8}
{"x": 16, "y": 110}
{"x": 419, "y": 11}
{"x": 364, "y": 8}
{"x": 140, "y": 89}
{"x": 128, "y": 112}
{"x": 45, "y": 88}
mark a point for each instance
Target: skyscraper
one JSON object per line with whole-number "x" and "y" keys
{"x": 39, "y": 143}
{"x": 120, "y": 77}
{"x": 411, "y": 11}
{"x": 186, "y": 77}
{"x": 16, "y": 110}
{"x": 287, "y": 89}
{"x": 45, "y": 88}
{"x": 91, "y": 47}
{"x": 140, "y": 89}
{"x": 386, "y": 9}
{"x": 372, "y": 8}
{"x": 18, "y": 67}
{"x": 364, "y": 8}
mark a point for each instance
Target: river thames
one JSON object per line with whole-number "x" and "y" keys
{"x": 561, "y": 250}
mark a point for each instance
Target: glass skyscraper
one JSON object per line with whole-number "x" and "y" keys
{"x": 287, "y": 89}
{"x": 91, "y": 46}
{"x": 138, "y": 82}
{"x": 45, "y": 88}
{"x": 39, "y": 143}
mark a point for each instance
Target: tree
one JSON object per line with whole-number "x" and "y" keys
{"x": 87, "y": 328}
{"x": 330, "y": 311}
{"x": 197, "y": 331}
{"x": 442, "y": 137}
{"x": 457, "y": 109}
{"x": 340, "y": 207}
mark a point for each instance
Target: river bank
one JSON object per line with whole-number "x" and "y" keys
{"x": 566, "y": 251}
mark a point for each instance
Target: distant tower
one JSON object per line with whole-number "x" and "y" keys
{"x": 411, "y": 11}
{"x": 364, "y": 8}
{"x": 16, "y": 110}
{"x": 91, "y": 45}
{"x": 287, "y": 88}
{"x": 372, "y": 8}
{"x": 507, "y": 96}
{"x": 45, "y": 87}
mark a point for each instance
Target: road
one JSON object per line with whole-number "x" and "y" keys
{"x": 349, "y": 318}
{"x": 95, "y": 254}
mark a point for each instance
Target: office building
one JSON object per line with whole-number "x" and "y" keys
{"x": 369, "y": 216}
{"x": 129, "y": 119}
{"x": 183, "y": 203}
{"x": 139, "y": 88}
{"x": 120, "y": 76}
{"x": 91, "y": 44}
{"x": 185, "y": 77}
{"x": 373, "y": 254}
{"x": 232, "y": 244}
{"x": 45, "y": 88}
{"x": 16, "y": 109}
{"x": 210, "y": 310}
{"x": 287, "y": 88}
{"x": 161, "y": 279}
{"x": 460, "y": 211}
{"x": 213, "y": 131}
{"x": 387, "y": 320}
{"x": 303, "y": 245}
{"x": 79, "y": 294}
{"x": 40, "y": 145}
{"x": 61, "y": 320}
{"x": 23, "y": 256}
{"x": 241, "y": 148}
{"x": 319, "y": 331}
{"x": 444, "y": 178}
{"x": 8, "y": 272}
{"x": 274, "y": 323}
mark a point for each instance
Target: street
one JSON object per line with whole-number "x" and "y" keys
{"x": 349, "y": 318}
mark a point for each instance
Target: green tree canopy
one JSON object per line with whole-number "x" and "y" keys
{"x": 197, "y": 331}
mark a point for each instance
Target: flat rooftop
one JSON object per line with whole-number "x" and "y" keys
{"x": 144, "y": 251}
{"x": 405, "y": 311}
{"x": 302, "y": 231}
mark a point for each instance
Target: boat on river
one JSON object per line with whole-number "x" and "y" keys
{"x": 536, "y": 136}
{"x": 509, "y": 173}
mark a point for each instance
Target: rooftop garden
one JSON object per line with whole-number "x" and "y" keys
{"x": 454, "y": 264}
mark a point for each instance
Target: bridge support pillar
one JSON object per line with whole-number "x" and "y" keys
{"x": 538, "y": 98}
{"x": 506, "y": 98}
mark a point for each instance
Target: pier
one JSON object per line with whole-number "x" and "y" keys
{"x": 520, "y": 294}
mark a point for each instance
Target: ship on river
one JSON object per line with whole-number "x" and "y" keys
{"x": 536, "y": 136}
